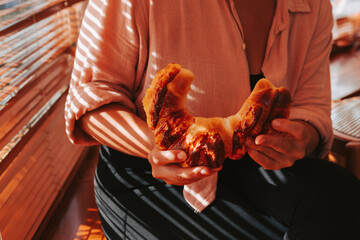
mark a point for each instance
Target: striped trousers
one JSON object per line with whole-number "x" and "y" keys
{"x": 313, "y": 199}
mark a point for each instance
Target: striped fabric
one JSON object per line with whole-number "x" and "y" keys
{"x": 123, "y": 43}
{"x": 251, "y": 203}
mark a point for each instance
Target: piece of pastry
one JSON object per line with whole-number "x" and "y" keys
{"x": 208, "y": 141}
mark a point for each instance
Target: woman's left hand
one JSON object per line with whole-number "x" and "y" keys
{"x": 293, "y": 141}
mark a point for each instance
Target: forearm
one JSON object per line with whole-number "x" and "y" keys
{"x": 114, "y": 126}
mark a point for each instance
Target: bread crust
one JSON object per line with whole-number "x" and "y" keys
{"x": 208, "y": 141}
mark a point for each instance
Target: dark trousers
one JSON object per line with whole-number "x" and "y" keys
{"x": 313, "y": 199}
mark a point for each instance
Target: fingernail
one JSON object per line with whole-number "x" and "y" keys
{"x": 168, "y": 155}
{"x": 182, "y": 156}
{"x": 204, "y": 172}
{"x": 276, "y": 123}
{"x": 259, "y": 141}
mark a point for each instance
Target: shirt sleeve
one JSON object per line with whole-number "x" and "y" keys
{"x": 107, "y": 66}
{"x": 312, "y": 98}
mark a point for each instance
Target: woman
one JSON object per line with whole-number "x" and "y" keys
{"x": 280, "y": 189}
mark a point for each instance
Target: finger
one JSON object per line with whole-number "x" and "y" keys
{"x": 177, "y": 175}
{"x": 263, "y": 160}
{"x": 270, "y": 153}
{"x": 279, "y": 143}
{"x": 283, "y": 145}
{"x": 292, "y": 128}
{"x": 283, "y": 160}
{"x": 159, "y": 157}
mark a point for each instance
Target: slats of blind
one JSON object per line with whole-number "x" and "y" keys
{"x": 35, "y": 177}
{"x": 36, "y": 157}
{"x": 24, "y": 113}
{"x": 24, "y": 53}
{"x": 31, "y": 59}
{"x": 14, "y": 11}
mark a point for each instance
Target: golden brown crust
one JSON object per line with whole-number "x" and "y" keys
{"x": 264, "y": 104}
{"x": 156, "y": 94}
{"x": 208, "y": 141}
{"x": 171, "y": 128}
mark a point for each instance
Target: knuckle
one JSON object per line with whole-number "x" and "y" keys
{"x": 153, "y": 159}
{"x": 150, "y": 156}
{"x": 183, "y": 178}
{"x": 180, "y": 178}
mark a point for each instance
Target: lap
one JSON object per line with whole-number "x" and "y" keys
{"x": 314, "y": 198}
{"x": 160, "y": 212}
{"x": 251, "y": 203}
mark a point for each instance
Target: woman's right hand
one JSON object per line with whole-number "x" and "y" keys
{"x": 166, "y": 166}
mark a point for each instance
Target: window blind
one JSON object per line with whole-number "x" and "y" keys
{"x": 37, "y": 41}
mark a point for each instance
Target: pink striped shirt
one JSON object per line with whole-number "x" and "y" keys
{"x": 123, "y": 43}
